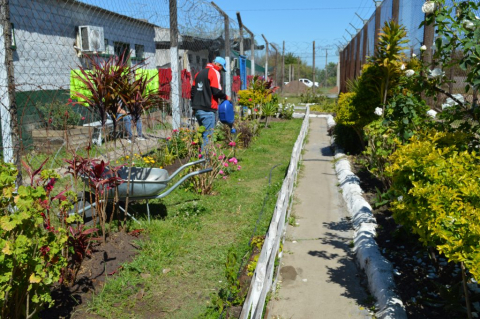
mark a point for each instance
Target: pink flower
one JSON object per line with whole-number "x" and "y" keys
{"x": 224, "y": 177}
{"x": 50, "y": 120}
{"x": 193, "y": 143}
{"x": 221, "y": 172}
{"x": 256, "y": 110}
{"x": 169, "y": 138}
{"x": 233, "y": 160}
{"x": 175, "y": 131}
{"x": 239, "y": 167}
{"x": 232, "y": 144}
{"x": 249, "y": 100}
{"x": 214, "y": 154}
{"x": 221, "y": 157}
{"x": 225, "y": 164}
{"x": 199, "y": 155}
{"x": 83, "y": 118}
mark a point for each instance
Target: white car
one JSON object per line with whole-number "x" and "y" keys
{"x": 308, "y": 83}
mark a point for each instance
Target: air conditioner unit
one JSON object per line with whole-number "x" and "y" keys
{"x": 91, "y": 38}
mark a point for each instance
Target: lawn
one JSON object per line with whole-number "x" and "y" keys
{"x": 182, "y": 262}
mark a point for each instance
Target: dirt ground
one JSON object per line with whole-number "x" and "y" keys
{"x": 105, "y": 261}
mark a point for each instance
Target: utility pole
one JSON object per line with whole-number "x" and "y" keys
{"x": 283, "y": 66}
{"x": 252, "y": 49}
{"x": 228, "y": 78}
{"x": 174, "y": 84}
{"x": 266, "y": 60}
{"x": 313, "y": 69}
{"x": 326, "y": 69}
{"x": 240, "y": 25}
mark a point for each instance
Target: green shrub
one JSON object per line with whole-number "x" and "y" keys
{"x": 57, "y": 115}
{"x": 438, "y": 195}
{"x": 32, "y": 259}
{"x": 347, "y": 138}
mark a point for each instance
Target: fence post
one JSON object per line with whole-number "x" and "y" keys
{"x": 395, "y": 10}
{"x": 378, "y": 15}
{"x": 228, "y": 78}
{"x": 266, "y": 59}
{"x": 8, "y": 107}
{"x": 175, "y": 87}
{"x": 313, "y": 68}
{"x": 358, "y": 59}
{"x": 276, "y": 64}
{"x": 326, "y": 69}
{"x": 240, "y": 29}
{"x": 283, "y": 66}
{"x": 252, "y": 50}
{"x": 365, "y": 43}
{"x": 352, "y": 59}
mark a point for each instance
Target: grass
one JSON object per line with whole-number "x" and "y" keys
{"x": 194, "y": 246}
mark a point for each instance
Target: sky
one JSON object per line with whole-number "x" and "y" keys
{"x": 297, "y": 22}
{"x": 301, "y": 22}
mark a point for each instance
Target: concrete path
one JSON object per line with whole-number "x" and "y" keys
{"x": 318, "y": 277}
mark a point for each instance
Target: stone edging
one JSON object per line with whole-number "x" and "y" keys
{"x": 378, "y": 269}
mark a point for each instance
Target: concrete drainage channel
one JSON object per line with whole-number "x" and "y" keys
{"x": 378, "y": 269}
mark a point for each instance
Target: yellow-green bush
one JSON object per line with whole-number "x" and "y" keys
{"x": 438, "y": 189}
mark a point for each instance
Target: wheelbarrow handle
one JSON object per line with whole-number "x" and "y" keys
{"x": 185, "y": 166}
{"x": 203, "y": 171}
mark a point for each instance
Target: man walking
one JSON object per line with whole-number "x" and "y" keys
{"x": 206, "y": 90}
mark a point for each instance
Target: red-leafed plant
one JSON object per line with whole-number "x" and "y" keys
{"x": 79, "y": 240}
{"x": 101, "y": 180}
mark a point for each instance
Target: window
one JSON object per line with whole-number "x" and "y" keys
{"x": 139, "y": 51}
{"x": 120, "y": 47}
{"x": 204, "y": 63}
{"x": 198, "y": 59}
{"x": 190, "y": 58}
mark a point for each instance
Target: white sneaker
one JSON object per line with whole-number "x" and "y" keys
{"x": 140, "y": 138}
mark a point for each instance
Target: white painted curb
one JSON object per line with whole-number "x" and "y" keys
{"x": 378, "y": 269}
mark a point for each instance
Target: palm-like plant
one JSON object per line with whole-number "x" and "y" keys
{"x": 389, "y": 55}
{"x": 269, "y": 109}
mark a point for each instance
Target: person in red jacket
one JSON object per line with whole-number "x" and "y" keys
{"x": 206, "y": 91}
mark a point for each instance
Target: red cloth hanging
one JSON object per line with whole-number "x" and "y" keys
{"x": 236, "y": 83}
{"x": 165, "y": 77}
{"x": 186, "y": 84}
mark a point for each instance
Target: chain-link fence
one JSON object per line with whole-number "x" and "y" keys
{"x": 409, "y": 14}
{"x": 45, "y": 44}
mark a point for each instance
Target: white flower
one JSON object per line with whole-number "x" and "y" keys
{"x": 429, "y": 7}
{"x": 378, "y": 111}
{"x": 431, "y": 113}
{"x": 399, "y": 198}
{"x": 402, "y": 67}
{"x": 467, "y": 24}
{"x": 409, "y": 73}
{"x": 423, "y": 48}
{"x": 436, "y": 73}
{"x": 450, "y": 102}
{"x": 414, "y": 55}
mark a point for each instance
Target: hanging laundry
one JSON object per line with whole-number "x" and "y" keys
{"x": 236, "y": 83}
{"x": 186, "y": 84}
{"x": 164, "y": 78}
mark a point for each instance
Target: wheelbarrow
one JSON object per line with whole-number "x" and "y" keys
{"x": 145, "y": 184}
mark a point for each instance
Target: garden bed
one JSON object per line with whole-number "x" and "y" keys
{"x": 428, "y": 288}
{"x": 181, "y": 263}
